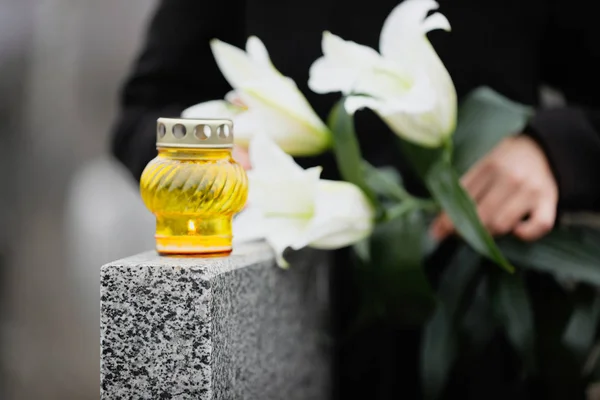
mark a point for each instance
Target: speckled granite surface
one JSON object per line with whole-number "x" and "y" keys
{"x": 222, "y": 328}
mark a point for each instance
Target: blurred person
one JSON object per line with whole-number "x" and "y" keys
{"x": 513, "y": 46}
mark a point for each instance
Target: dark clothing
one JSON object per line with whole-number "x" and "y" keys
{"x": 513, "y": 46}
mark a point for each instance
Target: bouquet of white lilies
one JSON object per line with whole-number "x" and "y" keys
{"x": 407, "y": 86}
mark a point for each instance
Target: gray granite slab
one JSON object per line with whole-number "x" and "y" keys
{"x": 221, "y": 328}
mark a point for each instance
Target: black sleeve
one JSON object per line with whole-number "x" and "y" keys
{"x": 572, "y": 145}
{"x": 570, "y": 135}
{"x": 175, "y": 70}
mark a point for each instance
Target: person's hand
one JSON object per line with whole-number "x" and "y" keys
{"x": 240, "y": 155}
{"x": 514, "y": 189}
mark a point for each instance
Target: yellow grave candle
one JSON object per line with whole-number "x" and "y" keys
{"x": 194, "y": 187}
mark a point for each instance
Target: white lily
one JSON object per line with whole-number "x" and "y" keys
{"x": 263, "y": 101}
{"x": 293, "y": 207}
{"x": 406, "y": 84}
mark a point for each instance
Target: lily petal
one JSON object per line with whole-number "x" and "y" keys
{"x": 246, "y": 122}
{"x": 355, "y": 103}
{"x": 405, "y": 24}
{"x": 416, "y": 97}
{"x": 292, "y": 207}
{"x": 341, "y": 65}
{"x": 292, "y": 197}
{"x": 403, "y": 40}
{"x": 245, "y": 125}
{"x": 269, "y": 160}
{"x": 386, "y": 98}
{"x": 353, "y": 68}
{"x": 423, "y": 129}
{"x": 277, "y": 98}
{"x": 272, "y": 103}
{"x": 235, "y": 65}
{"x": 343, "y": 216}
{"x": 258, "y": 52}
{"x": 212, "y": 109}
{"x": 282, "y": 232}
{"x": 249, "y": 225}
{"x": 287, "y": 117}
{"x": 278, "y": 185}
{"x": 436, "y": 21}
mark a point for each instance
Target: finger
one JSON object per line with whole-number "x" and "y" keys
{"x": 441, "y": 227}
{"x": 505, "y": 204}
{"x": 511, "y": 214}
{"x": 493, "y": 198}
{"x": 539, "y": 223}
{"x": 478, "y": 180}
{"x": 493, "y": 201}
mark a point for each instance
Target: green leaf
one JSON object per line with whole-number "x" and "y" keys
{"x": 397, "y": 265}
{"x": 566, "y": 252}
{"x": 515, "y": 312}
{"x": 385, "y": 182}
{"x": 370, "y": 307}
{"x": 438, "y": 352}
{"x": 347, "y": 149}
{"x": 458, "y": 278}
{"x": 582, "y": 326}
{"x": 362, "y": 250}
{"x": 444, "y": 185}
{"x": 421, "y": 158}
{"x": 479, "y": 323}
{"x": 439, "y": 348}
{"x": 485, "y": 117}
{"x": 397, "y": 210}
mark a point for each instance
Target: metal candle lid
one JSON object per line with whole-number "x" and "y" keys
{"x": 194, "y": 133}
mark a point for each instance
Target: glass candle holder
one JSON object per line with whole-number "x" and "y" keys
{"x": 194, "y": 186}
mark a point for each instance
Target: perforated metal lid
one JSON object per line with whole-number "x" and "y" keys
{"x": 194, "y": 133}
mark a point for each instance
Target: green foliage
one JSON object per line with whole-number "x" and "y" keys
{"x": 347, "y": 150}
{"x": 444, "y": 185}
{"x": 582, "y": 327}
{"x": 385, "y": 182}
{"x": 572, "y": 256}
{"x": 396, "y": 257}
{"x": 472, "y": 300}
{"x": 439, "y": 348}
{"x": 477, "y": 123}
{"x": 484, "y": 119}
{"x": 513, "y": 309}
{"x": 566, "y": 252}
{"x": 393, "y": 255}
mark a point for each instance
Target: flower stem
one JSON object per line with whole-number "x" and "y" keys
{"x": 448, "y": 149}
{"x": 428, "y": 205}
{"x": 409, "y": 204}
